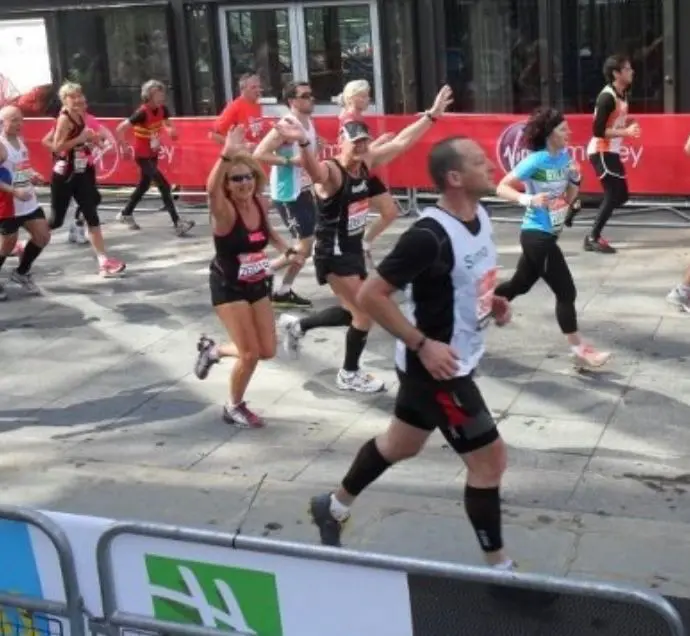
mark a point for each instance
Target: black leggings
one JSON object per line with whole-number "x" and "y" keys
{"x": 611, "y": 172}
{"x": 83, "y": 189}
{"x": 542, "y": 258}
{"x": 149, "y": 174}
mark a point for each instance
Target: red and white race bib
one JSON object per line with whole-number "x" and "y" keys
{"x": 486, "y": 287}
{"x": 357, "y": 216}
{"x": 253, "y": 267}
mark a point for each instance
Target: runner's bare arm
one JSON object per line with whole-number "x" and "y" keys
{"x": 407, "y": 137}
{"x": 687, "y": 146}
{"x": 220, "y": 208}
{"x": 47, "y": 141}
{"x": 122, "y": 129}
{"x": 61, "y": 143}
{"x": 321, "y": 173}
{"x": 266, "y": 151}
{"x": 388, "y": 212}
{"x": 416, "y": 250}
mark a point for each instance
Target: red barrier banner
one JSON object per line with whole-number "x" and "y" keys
{"x": 655, "y": 163}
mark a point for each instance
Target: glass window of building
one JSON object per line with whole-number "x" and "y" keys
{"x": 339, "y": 48}
{"x": 259, "y": 42}
{"x": 116, "y": 52}
{"x": 493, "y": 54}
{"x": 594, "y": 29}
{"x": 198, "y": 21}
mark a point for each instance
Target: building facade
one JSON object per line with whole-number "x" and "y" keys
{"x": 499, "y": 56}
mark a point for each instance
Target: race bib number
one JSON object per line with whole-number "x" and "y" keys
{"x": 60, "y": 167}
{"x": 558, "y": 210}
{"x": 155, "y": 142}
{"x": 486, "y": 286}
{"x": 22, "y": 175}
{"x": 81, "y": 161}
{"x": 357, "y": 215}
{"x": 253, "y": 267}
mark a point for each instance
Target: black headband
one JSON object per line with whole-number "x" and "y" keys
{"x": 554, "y": 123}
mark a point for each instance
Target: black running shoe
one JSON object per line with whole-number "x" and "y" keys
{"x": 600, "y": 245}
{"x": 329, "y": 527}
{"x": 291, "y": 300}
{"x": 206, "y": 358}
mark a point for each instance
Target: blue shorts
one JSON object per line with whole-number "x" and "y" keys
{"x": 299, "y": 215}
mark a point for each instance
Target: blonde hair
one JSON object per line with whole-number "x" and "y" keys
{"x": 245, "y": 159}
{"x": 149, "y": 88}
{"x": 351, "y": 89}
{"x": 68, "y": 89}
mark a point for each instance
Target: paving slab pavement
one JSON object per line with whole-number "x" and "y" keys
{"x": 100, "y": 412}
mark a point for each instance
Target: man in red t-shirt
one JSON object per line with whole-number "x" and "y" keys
{"x": 244, "y": 110}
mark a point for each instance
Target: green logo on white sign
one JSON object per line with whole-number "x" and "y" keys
{"x": 218, "y": 596}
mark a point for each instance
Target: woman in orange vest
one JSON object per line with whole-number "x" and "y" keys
{"x": 147, "y": 123}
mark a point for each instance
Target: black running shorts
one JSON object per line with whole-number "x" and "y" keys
{"x": 224, "y": 291}
{"x": 341, "y": 265}
{"x": 8, "y": 227}
{"x": 299, "y": 216}
{"x": 456, "y": 407}
{"x": 607, "y": 164}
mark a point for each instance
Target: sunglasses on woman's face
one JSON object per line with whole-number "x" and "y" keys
{"x": 240, "y": 178}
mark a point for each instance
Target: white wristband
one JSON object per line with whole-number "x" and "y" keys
{"x": 525, "y": 200}
{"x": 366, "y": 247}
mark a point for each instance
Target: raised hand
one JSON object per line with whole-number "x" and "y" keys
{"x": 443, "y": 100}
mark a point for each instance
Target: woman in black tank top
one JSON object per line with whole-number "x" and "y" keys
{"x": 240, "y": 274}
{"x": 343, "y": 190}
{"x": 74, "y": 176}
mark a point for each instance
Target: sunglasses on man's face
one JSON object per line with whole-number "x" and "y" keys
{"x": 240, "y": 178}
{"x": 306, "y": 96}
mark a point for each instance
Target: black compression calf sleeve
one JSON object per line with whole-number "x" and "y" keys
{"x": 483, "y": 507}
{"x": 367, "y": 467}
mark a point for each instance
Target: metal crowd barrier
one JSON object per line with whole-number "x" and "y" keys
{"x": 34, "y": 610}
{"x": 411, "y": 201}
{"x": 436, "y": 618}
{"x": 442, "y": 596}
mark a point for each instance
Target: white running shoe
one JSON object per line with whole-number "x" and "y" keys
{"x": 358, "y": 381}
{"x": 292, "y": 334}
{"x": 72, "y": 233}
{"x": 678, "y": 298}
{"x": 81, "y": 237}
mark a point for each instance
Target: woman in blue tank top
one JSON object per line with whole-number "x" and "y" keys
{"x": 551, "y": 183}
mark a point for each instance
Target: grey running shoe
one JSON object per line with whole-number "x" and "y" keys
{"x": 291, "y": 335}
{"x": 3, "y": 293}
{"x": 206, "y": 358}
{"x": 677, "y": 298}
{"x": 26, "y": 282}
{"x": 128, "y": 220}
{"x": 184, "y": 226}
{"x": 329, "y": 527}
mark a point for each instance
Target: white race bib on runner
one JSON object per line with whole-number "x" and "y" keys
{"x": 81, "y": 160}
{"x": 253, "y": 267}
{"x": 357, "y": 216}
{"x": 155, "y": 142}
{"x": 486, "y": 286}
